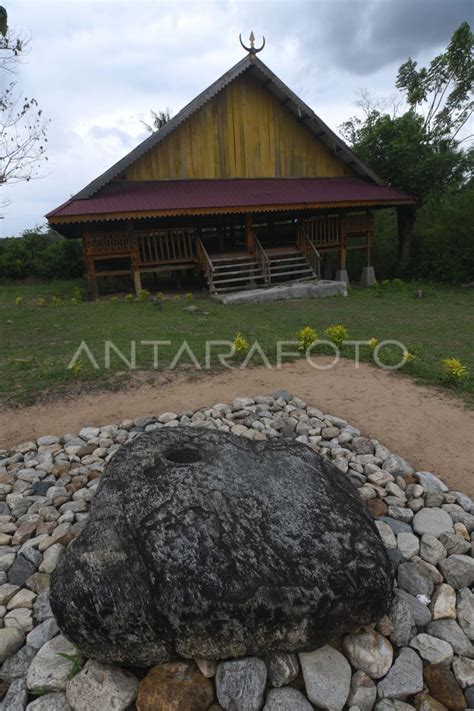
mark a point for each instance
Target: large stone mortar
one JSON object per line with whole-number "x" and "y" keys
{"x": 207, "y": 545}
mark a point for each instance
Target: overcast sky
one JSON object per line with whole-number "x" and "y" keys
{"x": 97, "y": 68}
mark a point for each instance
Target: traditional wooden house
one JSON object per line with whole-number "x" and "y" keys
{"x": 246, "y": 185}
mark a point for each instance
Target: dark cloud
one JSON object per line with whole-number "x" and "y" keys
{"x": 370, "y": 35}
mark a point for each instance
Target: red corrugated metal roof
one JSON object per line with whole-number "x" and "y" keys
{"x": 169, "y": 195}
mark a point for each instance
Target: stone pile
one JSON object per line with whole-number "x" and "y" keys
{"x": 420, "y": 655}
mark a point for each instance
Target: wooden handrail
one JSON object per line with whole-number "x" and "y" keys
{"x": 262, "y": 259}
{"x": 310, "y": 252}
{"x": 206, "y": 263}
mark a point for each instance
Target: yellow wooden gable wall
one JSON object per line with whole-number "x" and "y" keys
{"x": 243, "y": 132}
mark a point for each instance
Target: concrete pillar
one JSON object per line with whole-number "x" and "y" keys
{"x": 342, "y": 275}
{"x": 368, "y": 276}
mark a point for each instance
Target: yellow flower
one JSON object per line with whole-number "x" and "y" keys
{"x": 409, "y": 357}
{"x": 306, "y": 338}
{"x": 76, "y": 368}
{"x": 373, "y": 343}
{"x": 241, "y": 345}
{"x": 454, "y": 371}
{"x": 337, "y": 334}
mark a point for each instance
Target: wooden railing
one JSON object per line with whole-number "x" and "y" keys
{"x": 323, "y": 231}
{"x": 103, "y": 243}
{"x": 205, "y": 262}
{"x": 166, "y": 246}
{"x": 262, "y": 260}
{"x": 312, "y": 255}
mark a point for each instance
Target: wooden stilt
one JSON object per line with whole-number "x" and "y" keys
{"x": 92, "y": 278}
{"x": 220, "y": 236}
{"x": 137, "y": 280}
{"x": 249, "y": 234}
{"x": 369, "y": 248}
{"x": 343, "y": 252}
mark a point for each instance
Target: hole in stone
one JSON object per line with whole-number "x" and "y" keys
{"x": 182, "y": 455}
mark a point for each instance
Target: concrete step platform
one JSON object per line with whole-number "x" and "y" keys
{"x": 308, "y": 289}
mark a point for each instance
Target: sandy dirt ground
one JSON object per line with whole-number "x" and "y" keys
{"x": 432, "y": 430}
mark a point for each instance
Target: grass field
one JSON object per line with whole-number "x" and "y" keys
{"x": 38, "y": 341}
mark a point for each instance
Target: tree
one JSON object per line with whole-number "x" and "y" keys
{"x": 22, "y": 127}
{"x": 159, "y": 119}
{"x": 420, "y": 151}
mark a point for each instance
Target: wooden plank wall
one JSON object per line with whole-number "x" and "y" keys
{"x": 244, "y": 132}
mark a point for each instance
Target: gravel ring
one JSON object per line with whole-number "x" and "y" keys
{"x": 46, "y": 486}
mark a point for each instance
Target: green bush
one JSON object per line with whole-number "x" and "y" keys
{"x": 44, "y": 255}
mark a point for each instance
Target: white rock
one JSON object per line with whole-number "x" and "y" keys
{"x": 363, "y": 692}
{"x": 51, "y": 558}
{"x": 404, "y": 679}
{"x": 6, "y": 560}
{"x": 47, "y": 440}
{"x": 49, "y": 671}
{"x": 465, "y": 611}
{"x": 327, "y": 677}
{"x": 433, "y": 521}
{"x": 23, "y": 598}
{"x": 431, "y": 549}
{"x": 432, "y": 649}
{"x": 408, "y": 544}
{"x": 21, "y": 618}
{"x": 98, "y": 686}
{"x": 167, "y": 417}
{"x": 443, "y": 602}
{"x": 50, "y": 702}
{"x": 7, "y": 591}
{"x": 396, "y": 465}
{"x": 11, "y": 639}
{"x": 430, "y": 482}
{"x": 386, "y": 534}
{"x": 89, "y": 432}
{"x": 206, "y": 667}
{"x": 463, "y": 669}
{"x": 241, "y": 403}
{"x": 369, "y": 652}
{"x": 458, "y": 571}
{"x": 286, "y": 700}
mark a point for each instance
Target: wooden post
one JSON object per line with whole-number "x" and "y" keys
{"x": 343, "y": 251}
{"x": 220, "y": 236}
{"x": 249, "y": 234}
{"x": 370, "y": 237}
{"x": 92, "y": 277}
{"x": 90, "y": 266}
{"x": 137, "y": 280}
{"x": 369, "y": 247}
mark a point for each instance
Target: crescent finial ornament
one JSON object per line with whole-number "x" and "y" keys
{"x": 252, "y": 49}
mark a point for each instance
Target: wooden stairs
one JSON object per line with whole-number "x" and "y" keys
{"x": 227, "y": 273}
